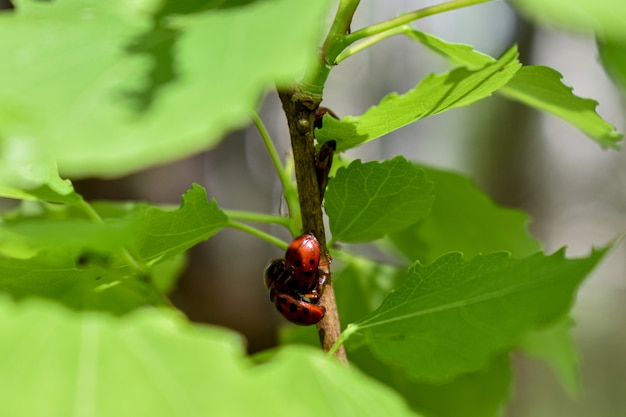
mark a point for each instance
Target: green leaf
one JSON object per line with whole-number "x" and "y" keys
{"x": 360, "y": 286}
{"x": 450, "y": 317}
{"x": 555, "y": 346}
{"x": 476, "y": 226}
{"x": 169, "y": 368}
{"x": 164, "y": 234}
{"x": 541, "y": 87}
{"x": 478, "y": 394}
{"x": 458, "y": 53}
{"x": 538, "y": 87}
{"x": 613, "y": 58}
{"x": 107, "y": 88}
{"x": 435, "y": 94}
{"x": 366, "y": 201}
{"x": 604, "y": 17}
{"x": 61, "y": 255}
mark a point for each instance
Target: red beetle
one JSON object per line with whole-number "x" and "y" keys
{"x": 301, "y": 309}
{"x": 278, "y": 281}
{"x": 302, "y": 260}
{"x": 297, "y": 310}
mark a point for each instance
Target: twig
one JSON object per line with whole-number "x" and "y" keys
{"x": 300, "y": 110}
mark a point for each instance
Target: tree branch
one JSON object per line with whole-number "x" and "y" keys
{"x": 300, "y": 110}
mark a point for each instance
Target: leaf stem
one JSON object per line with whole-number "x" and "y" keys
{"x": 409, "y": 17}
{"x": 345, "y": 335}
{"x": 258, "y": 233}
{"x": 374, "y": 39}
{"x": 313, "y": 82}
{"x": 289, "y": 190}
{"x": 89, "y": 210}
{"x": 257, "y": 217}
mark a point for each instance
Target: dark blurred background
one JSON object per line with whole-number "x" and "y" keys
{"x": 573, "y": 190}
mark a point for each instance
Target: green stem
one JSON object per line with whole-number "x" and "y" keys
{"x": 409, "y": 17}
{"x": 366, "y": 43}
{"x": 258, "y": 233}
{"x": 271, "y": 149}
{"x": 289, "y": 190}
{"x": 89, "y": 211}
{"x": 345, "y": 335}
{"x": 257, "y": 217}
{"x": 313, "y": 82}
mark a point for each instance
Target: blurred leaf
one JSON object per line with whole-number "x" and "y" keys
{"x": 101, "y": 283}
{"x": 538, "y": 87}
{"x": 165, "y": 274}
{"x": 435, "y": 94}
{"x": 604, "y": 17}
{"x": 476, "y": 226}
{"x": 102, "y": 265}
{"x": 73, "y": 363}
{"x": 107, "y": 88}
{"x": 555, "y": 346}
{"x": 450, "y": 317}
{"x": 366, "y": 201}
{"x": 150, "y": 233}
{"x": 37, "y": 181}
{"x": 613, "y": 58}
{"x": 479, "y": 394}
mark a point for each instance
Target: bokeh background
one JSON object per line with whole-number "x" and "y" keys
{"x": 574, "y": 190}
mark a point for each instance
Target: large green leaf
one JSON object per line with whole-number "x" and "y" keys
{"x": 604, "y": 17}
{"x": 62, "y": 255}
{"x": 153, "y": 364}
{"x": 360, "y": 286}
{"x": 111, "y": 87}
{"x": 536, "y": 86}
{"x": 434, "y": 94}
{"x": 476, "y": 226}
{"x": 366, "y": 201}
{"x": 451, "y": 316}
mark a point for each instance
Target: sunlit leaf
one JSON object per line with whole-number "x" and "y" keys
{"x": 536, "y": 86}
{"x": 434, "y": 94}
{"x": 106, "y": 88}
